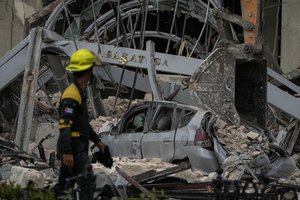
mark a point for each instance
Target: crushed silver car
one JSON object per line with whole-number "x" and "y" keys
{"x": 165, "y": 130}
{"x": 180, "y": 133}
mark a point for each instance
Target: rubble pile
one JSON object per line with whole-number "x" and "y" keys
{"x": 137, "y": 166}
{"x": 244, "y": 146}
{"x": 20, "y": 168}
{"x": 46, "y": 106}
{"x": 119, "y": 109}
{"x": 240, "y": 140}
{"x": 114, "y": 112}
{"x": 246, "y": 150}
{"x": 121, "y": 105}
{"x": 102, "y": 123}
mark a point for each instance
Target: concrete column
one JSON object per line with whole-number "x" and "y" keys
{"x": 290, "y": 35}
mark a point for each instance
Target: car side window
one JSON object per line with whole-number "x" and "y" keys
{"x": 135, "y": 122}
{"x": 162, "y": 120}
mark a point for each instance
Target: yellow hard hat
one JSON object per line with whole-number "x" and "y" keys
{"x": 81, "y": 60}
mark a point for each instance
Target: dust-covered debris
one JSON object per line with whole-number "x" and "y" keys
{"x": 101, "y": 124}
{"x": 234, "y": 168}
{"x": 20, "y": 167}
{"x": 137, "y": 166}
{"x": 118, "y": 109}
{"x": 247, "y": 150}
{"x": 240, "y": 140}
{"x": 120, "y": 106}
{"x": 22, "y": 176}
{"x": 296, "y": 157}
{"x": 115, "y": 111}
{"x": 252, "y": 135}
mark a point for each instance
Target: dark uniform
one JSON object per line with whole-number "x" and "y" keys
{"x": 75, "y": 133}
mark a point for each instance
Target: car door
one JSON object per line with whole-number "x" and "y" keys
{"x": 127, "y": 141}
{"x": 158, "y": 141}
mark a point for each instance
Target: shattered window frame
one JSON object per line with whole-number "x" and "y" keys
{"x": 155, "y": 116}
{"x": 130, "y": 115}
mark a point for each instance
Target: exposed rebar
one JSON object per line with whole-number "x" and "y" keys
{"x": 202, "y": 30}
{"x": 69, "y": 23}
{"x": 95, "y": 26}
{"x": 172, "y": 25}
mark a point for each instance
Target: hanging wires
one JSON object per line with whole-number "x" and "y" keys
{"x": 141, "y": 46}
{"x": 143, "y": 25}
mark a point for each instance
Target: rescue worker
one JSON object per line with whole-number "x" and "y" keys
{"x": 74, "y": 127}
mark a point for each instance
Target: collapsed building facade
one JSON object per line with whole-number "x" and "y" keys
{"x": 211, "y": 54}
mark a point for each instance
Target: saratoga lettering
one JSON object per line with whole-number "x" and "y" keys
{"x": 135, "y": 58}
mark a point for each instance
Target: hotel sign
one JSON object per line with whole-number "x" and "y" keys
{"x": 136, "y": 58}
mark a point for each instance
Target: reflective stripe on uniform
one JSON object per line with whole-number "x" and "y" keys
{"x": 75, "y": 134}
{"x": 64, "y": 126}
{"x": 62, "y": 121}
{"x": 72, "y": 92}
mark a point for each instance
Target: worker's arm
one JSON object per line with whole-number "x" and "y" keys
{"x": 95, "y": 138}
{"x": 67, "y": 112}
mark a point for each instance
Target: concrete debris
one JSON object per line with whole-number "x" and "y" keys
{"x": 22, "y": 176}
{"x": 102, "y": 124}
{"x": 5, "y": 171}
{"x": 246, "y": 148}
{"x": 233, "y": 167}
{"x": 296, "y": 157}
{"x": 240, "y": 140}
{"x": 252, "y": 135}
{"x": 136, "y": 166}
{"x": 19, "y": 167}
{"x": 211, "y": 176}
{"x": 121, "y": 106}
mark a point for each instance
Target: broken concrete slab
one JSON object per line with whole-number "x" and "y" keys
{"x": 252, "y": 135}
{"x": 5, "y": 171}
{"x": 22, "y": 176}
{"x": 138, "y": 166}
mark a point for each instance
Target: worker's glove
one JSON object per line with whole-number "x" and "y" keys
{"x": 103, "y": 157}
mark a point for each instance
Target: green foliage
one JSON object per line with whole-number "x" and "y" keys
{"x": 12, "y": 192}
{"x": 8, "y": 191}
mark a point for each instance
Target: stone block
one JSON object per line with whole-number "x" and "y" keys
{"x": 22, "y": 176}
{"x": 252, "y": 135}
